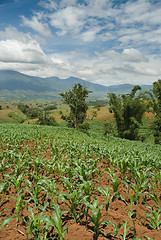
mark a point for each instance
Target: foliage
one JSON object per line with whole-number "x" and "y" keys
{"x": 29, "y": 111}
{"x": 45, "y": 119}
{"x": 18, "y": 118}
{"x": 55, "y": 176}
{"x": 128, "y": 112}
{"x": 23, "y": 107}
{"x": 109, "y": 127}
{"x": 50, "y": 107}
{"x": 76, "y": 99}
{"x": 85, "y": 126}
{"x": 157, "y": 111}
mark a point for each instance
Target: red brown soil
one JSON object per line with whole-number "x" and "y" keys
{"x": 117, "y": 212}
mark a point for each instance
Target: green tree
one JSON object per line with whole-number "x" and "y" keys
{"x": 76, "y": 99}
{"x": 128, "y": 112}
{"x": 157, "y": 111}
{"x": 45, "y": 119}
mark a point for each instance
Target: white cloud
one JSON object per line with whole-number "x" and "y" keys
{"x": 50, "y": 4}
{"x": 18, "y": 51}
{"x": 69, "y": 19}
{"x": 35, "y": 24}
{"x": 20, "y": 47}
{"x": 131, "y": 22}
{"x": 90, "y": 34}
{"x": 12, "y": 33}
{"x": 115, "y": 44}
{"x": 133, "y": 55}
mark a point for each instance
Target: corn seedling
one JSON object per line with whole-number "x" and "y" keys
{"x": 95, "y": 217}
{"x": 153, "y": 217}
{"x": 56, "y": 222}
{"x": 126, "y": 229}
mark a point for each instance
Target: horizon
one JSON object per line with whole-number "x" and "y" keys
{"x": 74, "y": 78}
{"x": 106, "y": 42}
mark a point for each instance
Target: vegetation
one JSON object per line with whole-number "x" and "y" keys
{"x": 45, "y": 119}
{"x": 18, "y": 118}
{"x": 54, "y": 178}
{"x": 128, "y": 112}
{"x": 76, "y": 99}
{"x": 50, "y": 107}
{"x": 157, "y": 111}
{"x": 29, "y": 111}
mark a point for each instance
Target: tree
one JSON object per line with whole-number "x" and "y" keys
{"x": 157, "y": 111}
{"x": 128, "y": 112}
{"x": 76, "y": 99}
{"x": 45, "y": 119}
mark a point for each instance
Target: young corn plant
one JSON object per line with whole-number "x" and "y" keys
{"x": 123, "y": 165}
{"x": 115, "y": 184}
{"x": 106, "y": 194}
{"x": 126, "y": 229}
{"x": 131, "y": 213}
{"x": 138, "y": 192}
{"x": 3, "y": 167}
{"x": 95, "y": 217}
{"x": 87, "y": 189}
{"x": 19, "y": 207}
{"x": 34, "y": 224}
{"x": 50, "y": 187}
{"x": 73, "y": 200}
{"x": 4, "y": 187}
{"x": 17, "y": 181}
{"x": 55, "y": 222}
{"x": 19, "y": 166}
{"x": 35, "y": 191}
{"x": 153, "y": 217}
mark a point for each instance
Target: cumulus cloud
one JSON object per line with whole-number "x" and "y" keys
{"x": 20, "y": 47}
{"x": 110, "y": 67}
{"x": 103, "y": 41}
{"x": 18, "y": 51}
{"x": 133, "y": 55}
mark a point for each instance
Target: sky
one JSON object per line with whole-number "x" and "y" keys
{"x": 107, "y": 42}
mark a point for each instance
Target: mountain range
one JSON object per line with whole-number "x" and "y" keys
{"x": 15, "y": 85}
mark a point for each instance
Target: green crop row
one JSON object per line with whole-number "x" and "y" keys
{"x": 53, "y": 174}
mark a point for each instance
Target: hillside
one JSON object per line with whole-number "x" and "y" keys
{"x": 15, "y": 85}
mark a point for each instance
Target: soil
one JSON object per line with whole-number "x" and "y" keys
{"x": 82, "y": 230}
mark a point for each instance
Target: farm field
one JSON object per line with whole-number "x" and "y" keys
{"x": 58, "y": 183}
{"x": 102, "y": 114}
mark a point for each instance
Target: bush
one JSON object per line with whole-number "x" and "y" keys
{"x": 45, "y": 119}
{"x": 110, "y": 128}
{"x": 16, "y": 117}
{"x": 50, "y": 107}
{"x": 84, "y": 126}
{"x": 128, "y": 112}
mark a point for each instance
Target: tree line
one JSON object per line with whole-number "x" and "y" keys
{"x": 128, "y": 109}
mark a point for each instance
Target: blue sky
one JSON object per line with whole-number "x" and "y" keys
{"x": 102, "y": 41}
